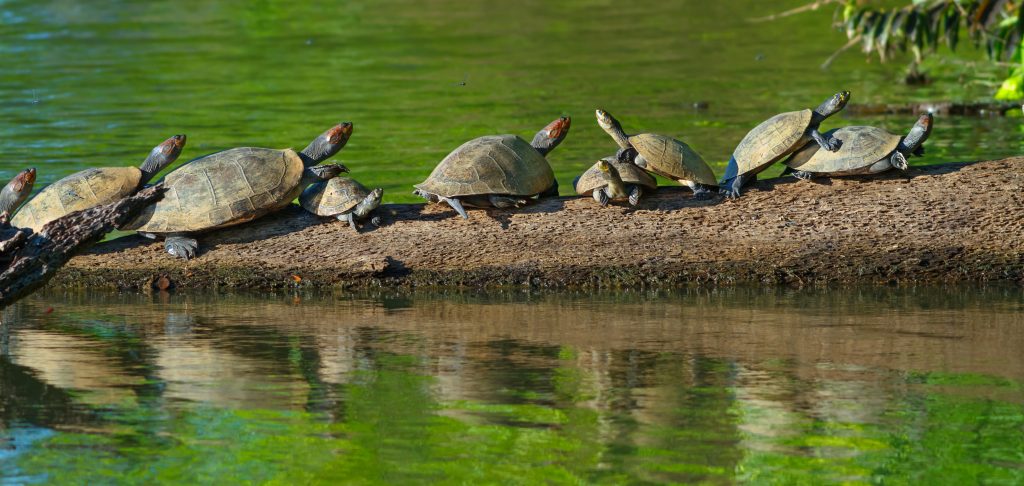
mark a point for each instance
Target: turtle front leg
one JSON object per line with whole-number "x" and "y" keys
{"x": 505, "y": 202}
{"x": 898, "y": 160}
{"x": 601, "y": 196}
{"x": 639, "y": 160}
{"x": 831, "y": 143}
{"x": 700, "y": 191}
{"x": 635, "y": 194}
{"x": 456, "y": 205}
{"x": 626, "y": 155}
{"x": 802, "y": 175}
{"x": 347, "y": 218}
{"x": 181, "y": 246}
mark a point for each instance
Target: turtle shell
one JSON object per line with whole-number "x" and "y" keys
{"x": 673, "y": 159}
{"x": 224, "y": 189}
{"x": 630, "y": 174}
{"x": 772, "y": 140}
{"x": 331, "y": 198}
{"x": 861, "y": 148}
{"x": 82, "y": 190}
{"x": 495, "y": 164}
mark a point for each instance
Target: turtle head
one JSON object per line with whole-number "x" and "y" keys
{"x": 608, "y": 171}
{"x": 161, "y": 156}
{"x": 327, "y": 144}
{"x": 550, "y": 136}
{"x": 16, "y": 191}
{"x": 368, "y": 204}
{"x": 911, "y": 144}
{"x": 611, "y": 126}
{"x": 426, "y": 195}
{"x": 923, "y": 128}
{"x": 834, "y": 104}
{"x": 606, "y": 121}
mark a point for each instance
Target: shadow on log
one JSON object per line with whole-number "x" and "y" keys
{"x": 31, "y": 259}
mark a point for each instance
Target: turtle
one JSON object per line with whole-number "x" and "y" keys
{"x": 16, "y": 191}
{"x": 343, "y": 198}
{"x": 233, "y": 187}
{"x": 95, "y": 187}
{"x": 609, "y": 180}
{"x": 777, "y": 137}
{"x": 865, "y": 150}
{"x": 661, "y": 155}
{"x": 498, "y": 171}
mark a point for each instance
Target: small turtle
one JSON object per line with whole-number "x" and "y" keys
{"x": 777, "y": 137}
{"x": 496, "y": 171}
{"x": 95, "y": 187}
{"x": 610, "y": 180}
{"x": 865, "y": 150}
{"x": 233, "y": 187}
{"x": 16, "y": 191}
{"x": 342, "y": 198}
{"x": 661, "y": 155}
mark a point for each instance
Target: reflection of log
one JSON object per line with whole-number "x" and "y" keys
{"x": 33, "y": 258}
{"x": 936, "y": 107}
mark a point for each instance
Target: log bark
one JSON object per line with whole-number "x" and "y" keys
{"x": 942, "y": 223}
{"x": 32, "y": 259}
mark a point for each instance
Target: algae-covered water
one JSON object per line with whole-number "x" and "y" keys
{"x": 99, "y": 83}
{"x": 880, "y": 385}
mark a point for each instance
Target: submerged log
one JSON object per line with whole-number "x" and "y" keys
{"x": 981, "y": 109}
{"x": 31, "y": 259}
{"x": 942, "y": 223}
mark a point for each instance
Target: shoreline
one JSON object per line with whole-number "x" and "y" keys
{"x": 933, "y": 224}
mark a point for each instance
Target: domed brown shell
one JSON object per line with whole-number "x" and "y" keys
{"x": 224, "y": 189}
{"x": 673, "y": 159}
{"x": 336, "y": 196}
{"x": 495, "y": 164}
{"x": 82, "y": 190}
{"x": 772, "y": 140}
{"x": 630, "y": 174}
{"x": 861, "y": 148}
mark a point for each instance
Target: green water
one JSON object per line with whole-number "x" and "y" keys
{"x": 904, "y": 386}
{"x": 99, "y": 83}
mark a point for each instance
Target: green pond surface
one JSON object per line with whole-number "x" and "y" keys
{"x": 98, "y": 83}
{"x": 856, "y": 386}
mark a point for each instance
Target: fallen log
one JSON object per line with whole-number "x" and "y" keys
{"x": 941, "y": 223}
{"x": 32, "y": 259}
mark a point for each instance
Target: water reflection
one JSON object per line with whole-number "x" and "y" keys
{"x": 685, "y": 386}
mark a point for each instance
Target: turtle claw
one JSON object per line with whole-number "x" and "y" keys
{"x": 503, "y": 202}
{"x": 802, "y": 175}
{"x": 181, "y": 247}
{"x": 635, "y": 195}
{"x": 899, "y": 161}
{"x": 834, "y": 144}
